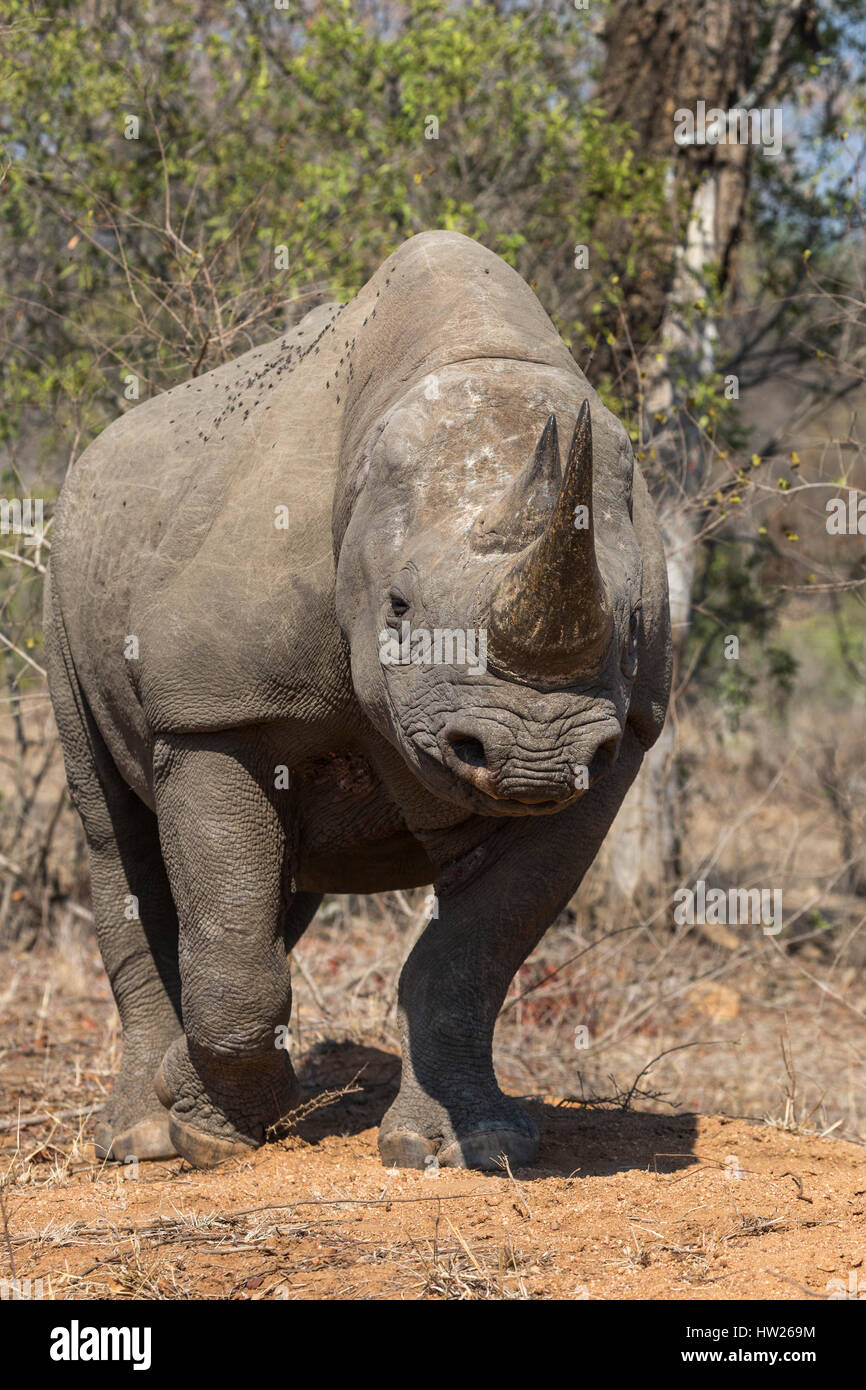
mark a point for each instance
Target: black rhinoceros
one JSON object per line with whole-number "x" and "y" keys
{"x": 340, "y": 617}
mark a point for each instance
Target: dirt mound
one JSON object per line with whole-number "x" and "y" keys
{"x": 622, "y": 1205}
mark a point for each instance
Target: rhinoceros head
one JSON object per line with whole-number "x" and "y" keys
{"x": 489, "y": 584}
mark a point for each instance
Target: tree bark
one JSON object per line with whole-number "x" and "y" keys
{"x": 663, "y": 57}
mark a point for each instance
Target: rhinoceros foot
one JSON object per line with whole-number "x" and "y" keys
{"x": 133, "y": 1123}
{"x": 203, "y": 1150}
{"x": 480, "y": 1144}
{"x": 147, "y": 1138}
{"x": 221, "y": 1108}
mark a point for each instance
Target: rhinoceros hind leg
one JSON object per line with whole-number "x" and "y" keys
{"x": 146, "y": 1139}
{"x": 133, "y": 909}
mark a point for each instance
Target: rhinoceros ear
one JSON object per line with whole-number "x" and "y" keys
{"x": 649, "y": 700}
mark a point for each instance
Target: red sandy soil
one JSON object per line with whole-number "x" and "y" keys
{"x": 622, "y": 1205}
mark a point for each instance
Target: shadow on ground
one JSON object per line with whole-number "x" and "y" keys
{"x": 576, "y": 1139}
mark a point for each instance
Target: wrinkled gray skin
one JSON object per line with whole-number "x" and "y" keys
{"x": 390, "y": 431}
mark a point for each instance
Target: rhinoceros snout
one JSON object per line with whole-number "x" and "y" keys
{"x": 504, "y": 768}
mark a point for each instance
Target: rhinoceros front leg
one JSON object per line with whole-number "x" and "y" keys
{"x": 455, "y": 980}
{"x": 223, "y": 843}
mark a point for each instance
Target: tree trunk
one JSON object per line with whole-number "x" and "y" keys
{"x": 663, "y": 57}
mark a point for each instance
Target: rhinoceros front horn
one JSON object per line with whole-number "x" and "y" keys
{"x": 548, "y": 617}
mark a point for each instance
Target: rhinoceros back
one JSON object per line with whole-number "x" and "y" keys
{"x": 133, "y": 553}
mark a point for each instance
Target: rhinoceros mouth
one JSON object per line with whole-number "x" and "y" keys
{"x": 465, "y": 758}
{"x": 452, "y": 783}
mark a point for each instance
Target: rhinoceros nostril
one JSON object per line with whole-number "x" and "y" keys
{"x": 610, "y": 748}
{"x": 468, "y": 750}
{"x": 604, "y": 758}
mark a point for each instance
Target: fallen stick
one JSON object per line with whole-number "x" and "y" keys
{"x": 43, "y": 1117}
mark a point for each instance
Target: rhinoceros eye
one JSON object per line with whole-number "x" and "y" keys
{"x": 629, "y": 660}
{"x": 398, "y": 605}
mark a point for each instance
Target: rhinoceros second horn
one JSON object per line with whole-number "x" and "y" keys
{"x": 523, "y": 510}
